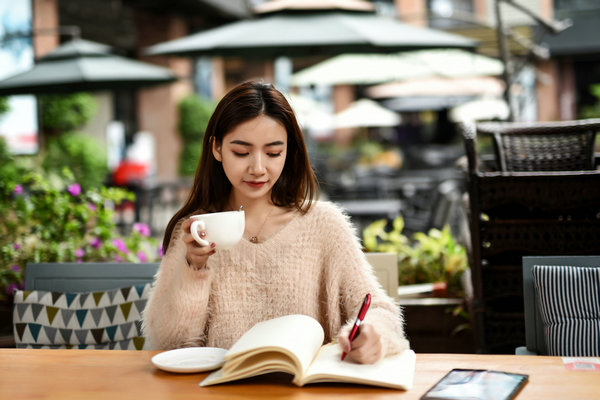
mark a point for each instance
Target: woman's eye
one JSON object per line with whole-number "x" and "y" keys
{"x": 237, "y": 154}
{"x": 274, "y": 154}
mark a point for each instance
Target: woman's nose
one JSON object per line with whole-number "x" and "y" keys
{"x": 257, "y": 165}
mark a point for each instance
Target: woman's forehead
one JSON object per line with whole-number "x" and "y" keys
{"x": 258, "y": 131}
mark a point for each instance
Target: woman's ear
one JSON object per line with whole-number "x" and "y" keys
{"x": 216, "y": 150}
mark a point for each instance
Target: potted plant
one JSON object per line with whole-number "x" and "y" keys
{"x": 437, "y": 324}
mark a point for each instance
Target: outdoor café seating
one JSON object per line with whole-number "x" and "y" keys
{"x": 561, "y": 295}
{"x": 534, "y": 190}
{"x": 82, "y": 305}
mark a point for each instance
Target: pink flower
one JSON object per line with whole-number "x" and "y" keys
{"x": 18, "y": 189}
{"x": 79, "y": 253}
{"x": 96, "y": 242}
{"x": 160, "y": 251}
{"x": 118, "y": 258}
{"x": 74, "y": 189}
{"x": 120, "y": 245}
{"x": 142, "y": 256}
{"x": 15, "y": 268}
{"x": 93, "y": 207}
{"x": 16, "y": 246}
{"x": 142, "y": 228}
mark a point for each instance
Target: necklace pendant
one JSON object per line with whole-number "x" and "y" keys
{"x": 254, "y": 239}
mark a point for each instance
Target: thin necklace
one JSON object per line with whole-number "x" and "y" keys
{"x": 254, "y": 239}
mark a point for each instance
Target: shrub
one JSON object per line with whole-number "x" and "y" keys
{"x": 55, "y": 220}
{"x": 425, "y": 258}
{"x": 82, "y": 154}
{"x": 64, "y": 113}
{"x": 194, "y": 113}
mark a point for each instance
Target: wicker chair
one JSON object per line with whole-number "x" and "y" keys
{"x": 550, "y": 146}
{"x": 554, "y": 209}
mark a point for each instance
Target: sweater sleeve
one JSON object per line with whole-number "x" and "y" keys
{"x": 177, "y": 309}
{"x": 347, "y": 261}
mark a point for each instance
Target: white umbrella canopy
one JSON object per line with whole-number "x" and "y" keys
{"x": 485, "y": 109}
{"x": 438, "y": 86}
{"x": 301, "y": 28}
{"x": 365, "y": 69}
{"x": 82, "y": 65}
{"x": 365, "y": 113}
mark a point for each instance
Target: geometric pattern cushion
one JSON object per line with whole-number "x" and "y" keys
{"x": 569, "y": 302}
{"x": 108, "y": 319}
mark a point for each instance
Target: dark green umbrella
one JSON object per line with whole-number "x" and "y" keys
{"x": 295, "y": 33}
{"x": 82, "y": 65}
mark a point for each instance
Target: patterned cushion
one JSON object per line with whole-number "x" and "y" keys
{"x": 569, "y": 304}
{"x": 98, "y": 320}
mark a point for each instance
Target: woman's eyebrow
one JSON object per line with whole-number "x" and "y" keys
{"x": 244, "y": 143}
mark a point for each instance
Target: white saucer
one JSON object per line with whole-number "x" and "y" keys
{"x": 190, "y": 359}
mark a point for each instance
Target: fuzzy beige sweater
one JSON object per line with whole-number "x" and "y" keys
{"x": 314, "y": 266}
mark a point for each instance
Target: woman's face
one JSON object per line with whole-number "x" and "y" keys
{"x": 253, "y": 155}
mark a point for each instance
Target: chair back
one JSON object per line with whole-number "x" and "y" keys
{"x": 539, "y": 270}
{"x": 83, "y": 305}
{"x": 385, "y": 266}
{"x": 87, "y": 276}
{"x": 543, "y": 146}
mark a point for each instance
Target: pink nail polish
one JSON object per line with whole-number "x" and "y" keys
{"x": 213, "y": 245}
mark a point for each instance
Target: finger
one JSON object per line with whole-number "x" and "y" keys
{"x": 344, "y": 342}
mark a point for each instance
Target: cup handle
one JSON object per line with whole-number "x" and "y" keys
{"x": 194, "y": 231}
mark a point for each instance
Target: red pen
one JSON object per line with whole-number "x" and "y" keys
{"x": 361, "y": 315}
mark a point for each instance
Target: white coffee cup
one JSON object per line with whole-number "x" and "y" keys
{"x": 224, "y": 229}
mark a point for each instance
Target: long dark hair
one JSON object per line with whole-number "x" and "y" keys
{"x": 297, "y": 185}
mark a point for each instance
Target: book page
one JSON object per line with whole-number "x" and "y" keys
{"x": 286, "y": 344}
{"x": 394, "y": 372}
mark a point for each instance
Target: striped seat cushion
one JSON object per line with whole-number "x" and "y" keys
{"x": 108, "y": 319}
{"x": 569, "y": 303}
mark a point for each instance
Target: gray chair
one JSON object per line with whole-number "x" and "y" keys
{"x": 83, "y": 305}
{"x": 88, "y": 276}
{"x": 535, "y": 337}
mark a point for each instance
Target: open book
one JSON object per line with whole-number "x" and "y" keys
{"x": 294, "y": 344}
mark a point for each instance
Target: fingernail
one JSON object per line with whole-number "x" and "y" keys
{"x": 213, "y": 245}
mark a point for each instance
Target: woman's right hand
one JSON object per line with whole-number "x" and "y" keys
{"x": 196, "y": 254}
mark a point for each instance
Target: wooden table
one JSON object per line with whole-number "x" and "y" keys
{"x": 116, "y": 374}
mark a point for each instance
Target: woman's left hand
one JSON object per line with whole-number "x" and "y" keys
{"x": 366, "y": 347}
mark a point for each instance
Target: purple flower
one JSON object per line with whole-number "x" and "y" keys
{"x": 120, "y": 245}
{"x": 11, "y": 288}
{"x": 15, "y": 268}
{"x": 79, "y": 253}
{"x": 16, "y": 246}
{"x": 142, "y": 256}
{"x": 96, "y": 242}
{"x": 118, "y": 258}
{"x": 74, "y": 189}
{"x": 93, "y": 207}
{"x": 142, "y": 228}
{"x": 160, "y": 251}
{"x": 18, "y": 189}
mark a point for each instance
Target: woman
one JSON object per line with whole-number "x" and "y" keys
{"x": 298, "y": 256}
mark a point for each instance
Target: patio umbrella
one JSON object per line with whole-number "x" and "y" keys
{"x": 82, "y": 65}
{"x": 366, "y": 113}
{"x": 365, "y": 69}
{"x": 295, "y": 29}
{"x": 436, "y": 86}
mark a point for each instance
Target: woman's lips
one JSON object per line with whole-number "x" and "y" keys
{"x": 254, "y": 184}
